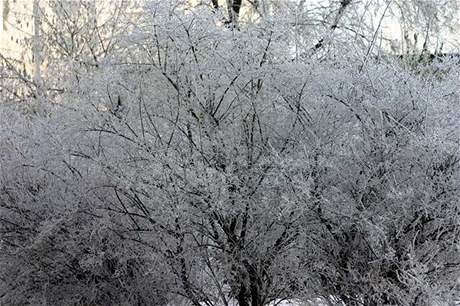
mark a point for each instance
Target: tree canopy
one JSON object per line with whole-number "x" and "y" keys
{"x": 177, "y": 160}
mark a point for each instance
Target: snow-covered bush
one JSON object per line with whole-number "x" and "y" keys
{"x": 207, "y": 164}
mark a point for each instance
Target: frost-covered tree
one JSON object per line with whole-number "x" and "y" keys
{"x": 208, "y": 165}
{"x": 68, "y": 38}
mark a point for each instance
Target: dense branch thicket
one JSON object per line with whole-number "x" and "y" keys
{"x": 206, "y": 165}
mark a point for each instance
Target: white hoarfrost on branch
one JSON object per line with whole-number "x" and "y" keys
{"x": 199, "y": 164}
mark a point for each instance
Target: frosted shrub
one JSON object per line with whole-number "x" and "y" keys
{"x": 208, "y": 165}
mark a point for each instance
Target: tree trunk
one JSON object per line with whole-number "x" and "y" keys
{"x": 233, "y": 7}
